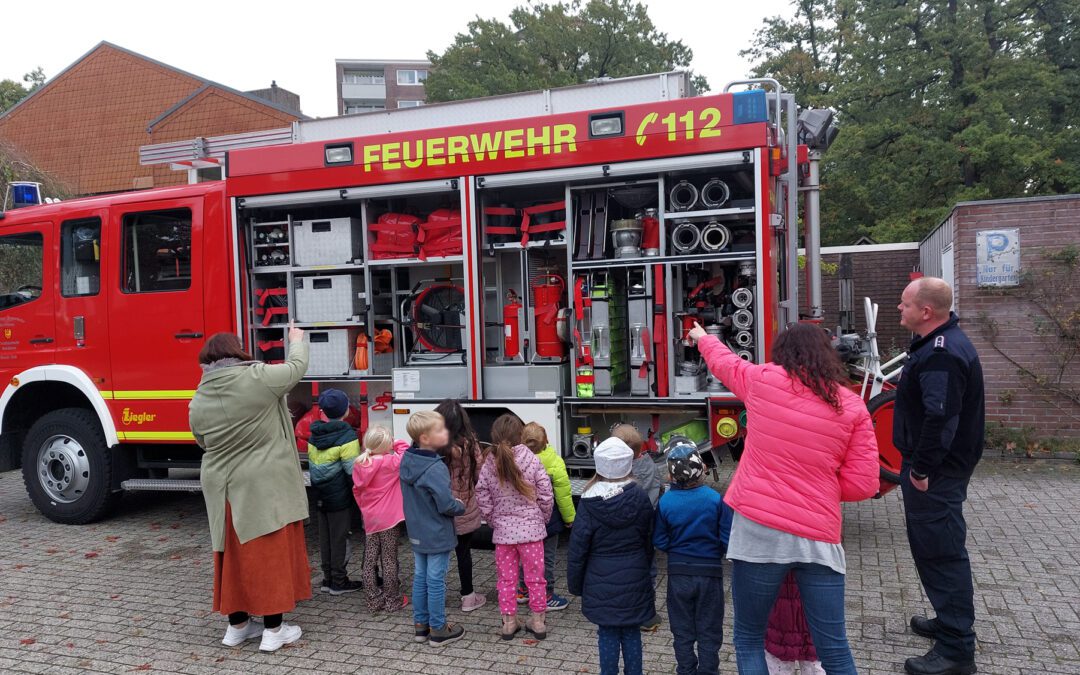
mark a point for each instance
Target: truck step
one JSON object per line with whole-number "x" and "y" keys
{"x": 174, "y": 484}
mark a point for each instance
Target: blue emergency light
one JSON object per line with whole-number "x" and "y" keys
{"x": 24, "y": 194}
{"x": 749, "y": 106}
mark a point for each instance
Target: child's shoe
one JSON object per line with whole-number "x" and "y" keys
{"x": 237, "y": 636}
{"x": 273, "y": 640}
{"x": 557, "y": 603}
{"x": 349, "y": 586}
{"x": 472, "y": 601}
{"x": 445, "y": 635}
{"x": 536, "y": 626}
{"x": 324, "y": 585}
{"x": 510, "y": 627}
{"x": 423, "y": 631}
{"x": 522, "y": 596}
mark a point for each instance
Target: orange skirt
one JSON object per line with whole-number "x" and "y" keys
{"x": 267, "y": 575}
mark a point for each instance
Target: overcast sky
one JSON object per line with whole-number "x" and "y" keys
{"x": 245, "y": 45}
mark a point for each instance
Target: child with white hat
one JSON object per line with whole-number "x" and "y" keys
{"x": 610, "y": 555}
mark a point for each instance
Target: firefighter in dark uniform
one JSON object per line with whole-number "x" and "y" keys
{"x": 938, "y": 428}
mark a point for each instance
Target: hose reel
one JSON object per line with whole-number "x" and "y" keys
{"x": 683, "y": 196}
{"x": 685, "y": 237}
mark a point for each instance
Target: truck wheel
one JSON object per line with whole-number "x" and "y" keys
{"x": 881, "y": 409}
{"x": 67, "y": 467}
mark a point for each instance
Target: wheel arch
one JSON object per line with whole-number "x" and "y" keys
{"x": 42, "y": 389}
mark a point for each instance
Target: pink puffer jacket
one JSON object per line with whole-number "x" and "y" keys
{"x": 463, "y": 488}
{"x": 802, "y": 458}
{"x": 515, "y": 519}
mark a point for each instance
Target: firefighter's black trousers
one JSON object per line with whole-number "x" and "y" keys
{"x": 937, "y": 533}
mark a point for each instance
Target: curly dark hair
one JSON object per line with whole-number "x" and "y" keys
{"x": 805, "y": 352}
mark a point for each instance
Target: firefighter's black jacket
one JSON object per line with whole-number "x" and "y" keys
{"x": 940, "y": 407}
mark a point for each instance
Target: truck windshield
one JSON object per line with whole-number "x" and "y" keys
{"x": 20, "y": 268}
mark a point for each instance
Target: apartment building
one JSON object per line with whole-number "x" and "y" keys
{"x": 367, "y": 85}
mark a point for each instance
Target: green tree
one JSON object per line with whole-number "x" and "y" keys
{"x": 937, "y": 102}
{"x": 554, "y": 45}
{"x": 11, "y": 92}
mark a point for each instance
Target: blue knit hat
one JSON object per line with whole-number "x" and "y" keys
{"x": 334, "y": 404}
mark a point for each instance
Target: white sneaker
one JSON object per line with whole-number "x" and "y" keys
{"x": 238, "y": 636}
{"x": 275, "y": 640}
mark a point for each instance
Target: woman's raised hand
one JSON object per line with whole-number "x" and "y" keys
{"x": 697, "y": 332}
{"x": 295, "y": 334}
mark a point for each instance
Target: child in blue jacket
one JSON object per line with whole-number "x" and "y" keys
{"x": 609, "y": 557}
{"x": 430, "y": 508}
{"x": 692, "y": 526}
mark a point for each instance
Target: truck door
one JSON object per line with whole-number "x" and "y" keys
{"x": 82, "y": 317}
{"x": 27, "y": 329}
{"x": 156, "y": 311}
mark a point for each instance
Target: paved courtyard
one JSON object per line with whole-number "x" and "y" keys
{"x": 131, "y": 594}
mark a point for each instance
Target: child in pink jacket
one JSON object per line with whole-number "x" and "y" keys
{"x": 515, "y": 497}
{"x": 789, "y": 649}
{"x": 377, "y": 489}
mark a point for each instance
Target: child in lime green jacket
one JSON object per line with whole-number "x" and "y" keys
{"x": 535, "y": 438}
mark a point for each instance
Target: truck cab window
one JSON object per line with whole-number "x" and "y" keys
{"x": 80, "y": 257}
{"x": 157, "y": 251}
{"x": 21, "y": 257}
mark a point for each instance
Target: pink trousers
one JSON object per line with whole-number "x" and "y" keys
{"x": 531, "y": 557}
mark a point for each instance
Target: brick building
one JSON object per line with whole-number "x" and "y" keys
{"x": 369, "y": 85}
{"x": 1016, "y": 338}
{"x": 877, "y": 271}
{"x": 86, "y": 124}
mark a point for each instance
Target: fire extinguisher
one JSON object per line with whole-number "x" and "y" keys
{"x": 548, "y": 293}
{"x": 511, "y": 325}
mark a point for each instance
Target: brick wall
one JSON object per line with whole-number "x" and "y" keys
{"x": 402, "y": 92}
{"x": 1044, "y": 225}
{"x": 878, "y": 274}
{"x": 86, "y": 125}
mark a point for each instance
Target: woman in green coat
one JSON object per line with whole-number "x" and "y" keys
{"x": 253, "y": 486}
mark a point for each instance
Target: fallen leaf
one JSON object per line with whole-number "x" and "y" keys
{"x": 111, "y": 538}
{"x": 3, "y": 519}
{"x": 145, "y": 666}
{"x": 85, "y": 663}
{"x": 20, "y": 566}
{"x": 174, "y": 556}
{"x": 65, "y": 615}
{"x": 219, "y": 659}
{"x": 174, "y": 526}
{"x": 114, "y": 597}
{"x": 70, "y": 645}
{"x": 163, "y": 539}
{"x": 155, "y": 526}
{"x": 91, "y": 554}
{"x": 101, "y": 642}
{"x": 530, "y": 642}
{"x": 27, "y": 641}
{"x": 51, "y": 551}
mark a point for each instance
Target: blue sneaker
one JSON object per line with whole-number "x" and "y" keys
{"x": 557, "y": 603}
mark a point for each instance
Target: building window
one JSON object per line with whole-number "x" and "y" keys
{"x": 80, "y": 257}
{"x": 363, "y": 107}
{"x": 157, "y": 251}
{"x": 21, "y": 262}
{"x": 411, "y": 76}
{"x": 409, "y": 104}
{"x": 363, "y": 77}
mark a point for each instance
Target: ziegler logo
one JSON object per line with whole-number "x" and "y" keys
{"x": 136, "y": 418}
{"x": 7, "y": 333}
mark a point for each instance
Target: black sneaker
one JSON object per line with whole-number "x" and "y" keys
{"x": 422, "y": 631}
{"x": 324, "y": 585}
{"x": 445, "y": 635}
{"x": 349, "y": 586}
{"x": 923, "y": 627}
{"x": 933, "y": 663}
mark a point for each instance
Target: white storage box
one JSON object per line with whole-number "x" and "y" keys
{"x": 328, "y": 241}
{"x": 337, "y": 297}
{"x": 332, "y": 351}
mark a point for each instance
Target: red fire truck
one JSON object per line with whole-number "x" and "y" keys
{"x": 547, "y": 265}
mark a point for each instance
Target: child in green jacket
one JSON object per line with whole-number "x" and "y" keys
{"x": 535, "y": 438}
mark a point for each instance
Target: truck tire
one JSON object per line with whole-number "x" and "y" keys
{"x": 67, "y": 467}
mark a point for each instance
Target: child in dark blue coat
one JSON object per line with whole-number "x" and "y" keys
{"x": 609, "y": 557}
{"x": 692, "y": 526}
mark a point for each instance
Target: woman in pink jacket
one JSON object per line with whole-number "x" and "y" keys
{"x": 515, "y": 497}
{"x": 809, "y": 446}
{"x": 377, "y": 488}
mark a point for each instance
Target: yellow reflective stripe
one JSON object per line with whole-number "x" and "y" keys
{"x": 155, "y": 436}
{"x": 149, "y": 395}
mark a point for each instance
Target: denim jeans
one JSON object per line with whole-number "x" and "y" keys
{"x": 429, "y": 588}
{"x": 620, "y": 639}
{"x": 695, "y": 606}
{"x": 754, "y": 588}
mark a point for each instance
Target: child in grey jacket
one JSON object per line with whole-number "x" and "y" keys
{"x": 429, "y": 508}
